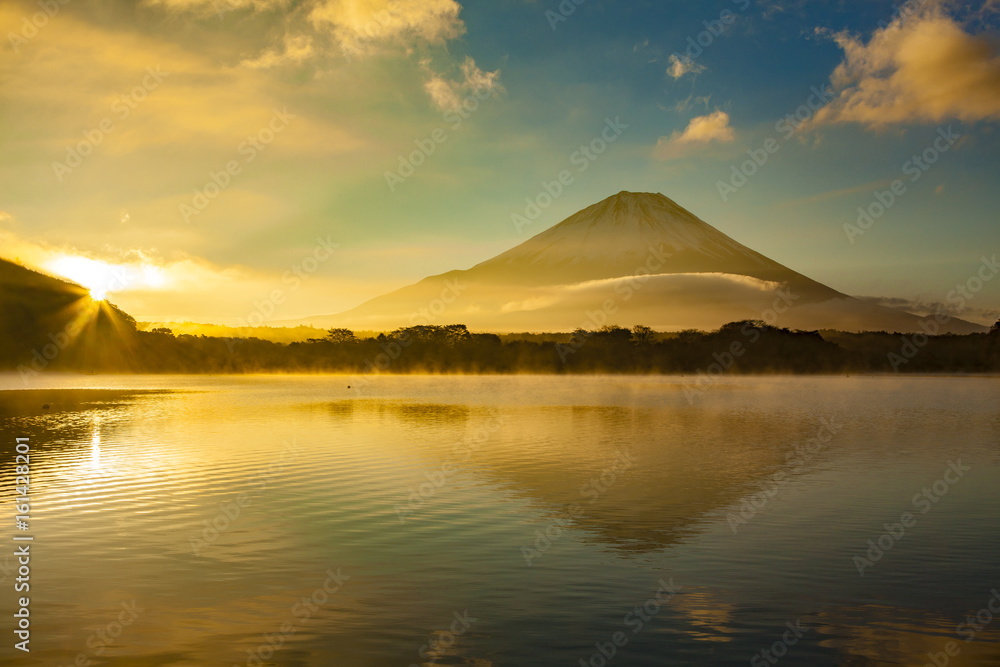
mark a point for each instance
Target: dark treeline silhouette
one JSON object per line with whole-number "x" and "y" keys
{"x": 47, "y": 324}
{"x": 738, "y": 347}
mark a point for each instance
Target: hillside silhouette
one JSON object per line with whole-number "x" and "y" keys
{"x": 49, "y": 324}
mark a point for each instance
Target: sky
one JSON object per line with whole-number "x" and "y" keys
{"x": 209, "y": 160}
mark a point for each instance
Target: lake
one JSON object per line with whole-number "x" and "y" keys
{"x": 506, "y": 520}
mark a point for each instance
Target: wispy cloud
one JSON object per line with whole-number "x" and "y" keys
{"x": 691, "y": 101}
{"x": 835, "y": 194}
{"x": 925, "y": 308}
{"x": 295, "y": 49}
{"x": 679, "y": 66}
{"x": 448, "y": 95}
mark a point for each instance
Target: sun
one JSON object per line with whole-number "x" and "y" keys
{"x": 93, "y": 274}
{"x": 102, "y": 278}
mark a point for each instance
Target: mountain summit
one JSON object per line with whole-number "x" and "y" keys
{"x": 633, "y": 258}
{"x": 616, "y": 236}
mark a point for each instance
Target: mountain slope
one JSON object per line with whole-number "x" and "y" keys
{"x": 48, "y": 324}
{"x": 615, "y": 237}
{"x": 633, "y": 258}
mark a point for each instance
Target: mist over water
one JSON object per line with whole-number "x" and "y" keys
{"x": 507, "y": 520}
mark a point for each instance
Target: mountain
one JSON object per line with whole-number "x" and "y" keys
{"x": 633, "y": 258}
{"x": 616, "y": 237}
{"x": 52, "y": 324}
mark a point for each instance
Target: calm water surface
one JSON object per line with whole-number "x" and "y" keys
{"x": 506, "y": 520}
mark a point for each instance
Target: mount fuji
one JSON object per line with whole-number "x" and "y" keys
{"x": 633, "y": 258}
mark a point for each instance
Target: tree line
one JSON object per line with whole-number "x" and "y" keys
{"x": 738, "y": 347}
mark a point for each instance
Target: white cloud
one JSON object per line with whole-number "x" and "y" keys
{"x": 923, "y": 67}
{"x": 701, "y": 132}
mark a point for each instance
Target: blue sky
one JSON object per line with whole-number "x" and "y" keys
{"x": 338, "y": 92}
